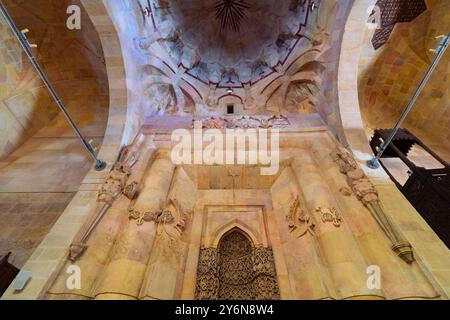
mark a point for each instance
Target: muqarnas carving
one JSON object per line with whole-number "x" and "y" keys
{"x": 366, "y": 192}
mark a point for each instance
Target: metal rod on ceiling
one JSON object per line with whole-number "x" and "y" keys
{"x": 374, "y": 163}
{"x": 99, "y": 164}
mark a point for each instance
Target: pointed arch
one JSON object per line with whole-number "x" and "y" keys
{"x": 237, "y": 224}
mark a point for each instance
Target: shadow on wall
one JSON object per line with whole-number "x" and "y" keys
{"x": 389, "y": 76}
{"x": 42, "y": 163}
{"x": 74, "y": 63}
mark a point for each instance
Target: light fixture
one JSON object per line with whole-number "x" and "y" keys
{"x": 230, "y": 91}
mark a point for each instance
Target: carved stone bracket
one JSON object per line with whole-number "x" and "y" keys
{"x": 114, "y": 186}
{"x": 298, "y": 219}
{"x": 366, "y": 192}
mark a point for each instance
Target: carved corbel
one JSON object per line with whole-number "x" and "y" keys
{"x": 366, "y": 192}
{"x": 298, "y": 219}
{"x": 113, "y": 187}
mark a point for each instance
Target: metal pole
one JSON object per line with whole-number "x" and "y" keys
{"x": 99, "y": 164}
{"x": 374, "y": 163}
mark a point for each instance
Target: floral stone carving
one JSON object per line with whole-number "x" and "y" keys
{"x": 298, "y": 219}
{"x": 237, "y": 271}
{"x": 173, "y": 214}
{"x": 330, "y": 215}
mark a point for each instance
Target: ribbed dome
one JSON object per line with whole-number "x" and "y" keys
{"x": 230, "y": 41}
{"x": 229, "y": 32}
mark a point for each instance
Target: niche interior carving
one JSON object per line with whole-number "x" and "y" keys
{"x": 237, "y": 270}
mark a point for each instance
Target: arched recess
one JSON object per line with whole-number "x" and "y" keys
{"x": 425, "y": 242}
{"x": 352, "y": 42}
{"x": 237, "y": 270}
{"x": 235, "y": 267}
{"x": 237, "y": 224}
{"x": 118, "y": 103}
{"x": 84, "y": 201}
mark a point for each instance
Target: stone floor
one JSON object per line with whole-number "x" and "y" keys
{"x": 25, "y": 219}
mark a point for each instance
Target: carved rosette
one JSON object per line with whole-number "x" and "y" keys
{"x": 141, "y": 217}
{"x": 366, "y": 192}
{"x": 131, "y": 190}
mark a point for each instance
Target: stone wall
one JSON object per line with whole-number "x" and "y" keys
{"x": 42, "y": 162}
{"x": 72, "y": 59}
{"x": 389, "y": 76}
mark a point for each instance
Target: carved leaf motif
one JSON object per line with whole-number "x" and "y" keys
{"x": 298, "y": 219}
{"x": 330, "y": 215}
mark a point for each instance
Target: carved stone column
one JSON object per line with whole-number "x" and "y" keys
{"x": 339, "y": 249}
{"x": 123, "y": 276}
{"x": 90, "y": 250}
{"x": 365, "y": 192}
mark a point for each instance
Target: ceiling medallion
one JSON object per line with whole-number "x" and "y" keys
{"x": 231, "y": 13}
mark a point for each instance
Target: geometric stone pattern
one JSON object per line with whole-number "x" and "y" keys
{"x": 236, "y": 271}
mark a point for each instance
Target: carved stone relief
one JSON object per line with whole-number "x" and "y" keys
{"x": 245, "y": 122}
{"x": 114, "y": 186}
{"x": 236, "y": 271}
{"x": 366, "y": 192}
{"x": 299, "y": 220}
{"x": 173, "y": 214}
{"x": 330, "y": 215}
{"x": 207, "y": 279}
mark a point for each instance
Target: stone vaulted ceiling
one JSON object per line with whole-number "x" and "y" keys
{"x": 231, "y": 42}
{"x": 258, "y": 55}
